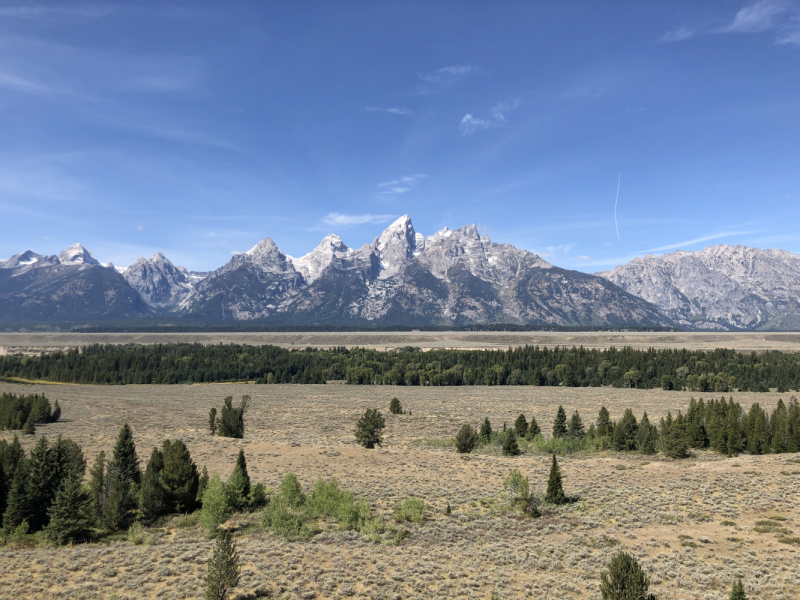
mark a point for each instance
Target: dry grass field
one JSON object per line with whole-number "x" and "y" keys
{"x": 673, "y": 515}
{"x": 744, "y": 341}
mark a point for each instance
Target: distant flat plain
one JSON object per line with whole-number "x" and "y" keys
{"x": 743, "y": 341}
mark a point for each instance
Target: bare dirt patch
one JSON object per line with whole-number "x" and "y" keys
{"x": 641, "y": 504}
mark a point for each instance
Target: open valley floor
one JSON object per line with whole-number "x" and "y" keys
{"x": 693, "y": 524}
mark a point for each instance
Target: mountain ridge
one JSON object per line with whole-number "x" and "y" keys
{"x": 452, "y": 277}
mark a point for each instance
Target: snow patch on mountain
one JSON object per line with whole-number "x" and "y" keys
{"x": 77, "y": 255}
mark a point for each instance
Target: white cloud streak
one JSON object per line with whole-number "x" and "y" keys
{"x": 471, "y": 124}
{"x": 401, "y": 185}
{"x": 756, "y": 17}
{"x": 432, "y": 82}
{"x": 344, "y": 220}
{"x": 394, "y": 110}
{"x": 713, "y": 236}
{"x": 35, "y": 12}
{"x": 678, "y": 35}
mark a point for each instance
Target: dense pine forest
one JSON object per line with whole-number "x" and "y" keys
{"x": 699, "y": 370}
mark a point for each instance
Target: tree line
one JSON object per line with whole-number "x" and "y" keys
{"x": 718, "y": 370}
{"x": 25, "y": 412}
{"x": 720, "y": 425}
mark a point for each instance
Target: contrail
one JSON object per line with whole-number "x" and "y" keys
{"x": 615, "y": 204}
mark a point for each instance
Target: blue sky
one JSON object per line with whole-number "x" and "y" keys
{"x": 199, "y": 129}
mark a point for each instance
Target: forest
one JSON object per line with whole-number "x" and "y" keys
{"x": 679, "y": 369}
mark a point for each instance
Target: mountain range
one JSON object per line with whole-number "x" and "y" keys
{"x": 453, "y": 277}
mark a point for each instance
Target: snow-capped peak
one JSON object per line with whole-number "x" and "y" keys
{"x": 312, "y": 264}
{"x": 77, "y": 255}
{"x": 397, "y": 243}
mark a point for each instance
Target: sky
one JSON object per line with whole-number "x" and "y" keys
{"x": 587, "y": 132}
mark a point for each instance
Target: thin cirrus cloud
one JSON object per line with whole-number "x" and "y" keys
{"x": 756, "y": 17}
{"x": 401, "y": 185}
{"x": 780, "y": 16}
{"x": 362, "y": 219}
{"x": 678, "y": 35}
{"x": 705, "y": 238}
{"x": 38, "y": 11}
{"x": 393, "y": 110}
{"x": 441, "y": 78}
{"x": 471, "y": 124}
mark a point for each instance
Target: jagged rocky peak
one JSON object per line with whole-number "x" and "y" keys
{"x": 312, "y": 264}
{"x": 159, "y": 282}
{"x": 77, "y": 255}
{"x": 397, "y": 244}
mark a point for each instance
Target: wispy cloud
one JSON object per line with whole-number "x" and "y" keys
{"x": 394, "y": 110}
{"x": 470, "y": 123}
{"x": 400, "y": 185}
{"x": 678, "y": 35}
{"x": 581, "y": 257}
{"x": 20, "y": 84}
{"x": 780, "y": 16}
{"x": 759, "y": 16}
{"x": 432, "y": 82}
{"x": 706, "y": 238}
{"x": 38, "y": 11}
{"x": 340, "y": 219}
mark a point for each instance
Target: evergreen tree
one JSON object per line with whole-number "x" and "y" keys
{"x": 733, "y": 426}
{"x": 29, "y": 428}
{"x": 737, "y": 593}
{"x": 56, "y": 413}
{"x": 555, "y": 490}
{"x": 154, "y": 501}
{"x": 369, "y": 429}
{"x": 212, "y": 421}
{"x": 604, "y": 425}
{"x": 575, "y": 430}
{"x": 180, "y": 476}
{"x": 675, "y": 444}
{"x": 486, "y": 431}
{"x": 202, "y": 485}
{"x": 510, "y": 446}
{"x": 645, "y": 439}
{"x": 97, "y": 484}
{"x": 41, "y": 485}
{"x": 223, "y": 567}
{"x": 70, "y": 513}
{"x": 216, "y": 509}
{"x": 126, "y": 461}
{"x": 625, "y": 432}
{"x": 466, "y": 439}
{"x": 239, "y": 484}
{"x": 231, "y": 421}
{"x": 533, "y": 429}
{"x": 521, "y": 425}
{"x": 17, "y": 506}
{"x": 560, "y": 424}
{"x": 120, "y": 501}
{"x": 395, "y": 407}
{"x": 68, "y": 459}
{"x": 625, "y": 580}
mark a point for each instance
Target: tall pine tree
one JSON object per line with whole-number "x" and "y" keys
{"x": 555, "y": 487}
{"x": 239, "y": 484}
{"x": 560, "y": 424}
{"x": 70, "y": 513}
{"x": 126, "y": 461}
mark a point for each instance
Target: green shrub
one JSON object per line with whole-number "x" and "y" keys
{"x": 467, "y": 439}
{"x": 369, "y": 429}
{"x": 410, "y": 510}
{"x": 395, "y": 407}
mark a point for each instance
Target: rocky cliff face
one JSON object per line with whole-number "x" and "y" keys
{"x": 721, "y": 287}
{"x": 160, "y": 283}
{"x": 404, "y": 278}
{"x": 72, "y": 286}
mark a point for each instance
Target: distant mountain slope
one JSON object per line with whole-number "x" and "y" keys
{"x": 451, "y": 277}
{"x": 721, "y": 287}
